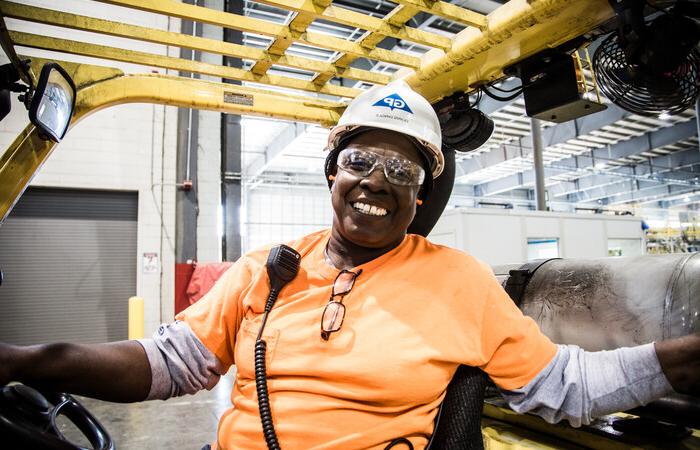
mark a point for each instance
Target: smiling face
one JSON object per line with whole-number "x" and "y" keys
{"x": 369, "y": 211}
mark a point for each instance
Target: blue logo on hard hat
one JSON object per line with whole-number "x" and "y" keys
{"x": 394, "y": 101}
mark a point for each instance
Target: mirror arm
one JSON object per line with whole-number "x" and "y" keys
{"x": 25, "y": 72}
{"x": 9, "y": 80}
{"x": 26, "y": 96}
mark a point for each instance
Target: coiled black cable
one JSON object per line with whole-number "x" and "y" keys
{"x": 398, "y": 441}
{"x": 263, "y": 397}
{"x": 282, "y": 266}
{"x": 261, "y": 380}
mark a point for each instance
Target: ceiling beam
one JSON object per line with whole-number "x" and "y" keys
{"x": 686, "y": 199}
{"x": 634, "y": 146}
{"x": 551, "y": 136}
{"x": 610, "y": 194}
{"x": 680, "y": 166}
{"x": 651, "y": 195}
{"x": 287, "y": 180}
{"x": 655, "y": 186}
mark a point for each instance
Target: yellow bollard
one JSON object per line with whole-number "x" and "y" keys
{"x": 135, "y": 318}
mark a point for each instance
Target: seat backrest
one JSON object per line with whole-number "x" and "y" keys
{"x": 428, "y": 214}
{"x": 458, "y": 424}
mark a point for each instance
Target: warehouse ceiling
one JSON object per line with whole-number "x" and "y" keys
{"x": 611, "y": 159}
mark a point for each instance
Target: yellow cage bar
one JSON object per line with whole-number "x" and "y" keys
{"x": 247, "y": 24}
{"x": 84, "y": 23}
{"x": 168, "y": 62}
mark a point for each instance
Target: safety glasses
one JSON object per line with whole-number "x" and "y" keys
{"x": 399, "y": 171}
{"x": 334, "y": 313}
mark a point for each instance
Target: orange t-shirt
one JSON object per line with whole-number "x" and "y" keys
{"x": 414, "y": 314}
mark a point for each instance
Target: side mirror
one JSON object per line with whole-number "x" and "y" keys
{"x": 53, "y": 102}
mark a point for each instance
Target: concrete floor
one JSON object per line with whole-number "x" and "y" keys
{"x": 186, "y": 423}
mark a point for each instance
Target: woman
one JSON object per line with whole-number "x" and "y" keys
{"x": 372, "y": 372}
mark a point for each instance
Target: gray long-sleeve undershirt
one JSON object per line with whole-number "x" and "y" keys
{"x": 180, "y": 363}
{"x": 575, "y": 386}
{"x": 578, "y": 386}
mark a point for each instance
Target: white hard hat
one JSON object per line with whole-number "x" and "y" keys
{"x": 399, "y": 108}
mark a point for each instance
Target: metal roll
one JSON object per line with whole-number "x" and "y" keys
{"x": 606, "y": 303}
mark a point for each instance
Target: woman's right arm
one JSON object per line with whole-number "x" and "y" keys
{"x": 117, "y": 371}
{"x": 175, "y": 362}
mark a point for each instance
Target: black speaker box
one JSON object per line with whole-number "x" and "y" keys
{"x": 550, "y": 88}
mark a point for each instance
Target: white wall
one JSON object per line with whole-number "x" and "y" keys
{"x": 277, "y": 215}
{"x": 499, "y": 236}
{"x": 127, "y": 147}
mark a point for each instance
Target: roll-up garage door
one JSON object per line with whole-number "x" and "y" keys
{"x": 69, "y": 260}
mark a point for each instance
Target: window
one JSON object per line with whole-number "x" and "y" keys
{"x": 542, "y": 248}
{"x": 625, "y": 247}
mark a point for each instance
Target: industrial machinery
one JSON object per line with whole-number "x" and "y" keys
{"x": 613, "y": 302}
{"x": 607, "y": 303}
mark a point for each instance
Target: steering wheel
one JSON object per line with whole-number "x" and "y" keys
{"x": 28, "y": 420}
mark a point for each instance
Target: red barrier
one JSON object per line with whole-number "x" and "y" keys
{"x": 183, "y": 274}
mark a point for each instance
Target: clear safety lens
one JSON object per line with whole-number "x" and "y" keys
{"x": 399, "y": 171}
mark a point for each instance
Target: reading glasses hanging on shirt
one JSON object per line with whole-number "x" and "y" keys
{"x": 334, "y": 313}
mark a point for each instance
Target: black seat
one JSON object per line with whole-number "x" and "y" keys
{"x": 458, "y": 424}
